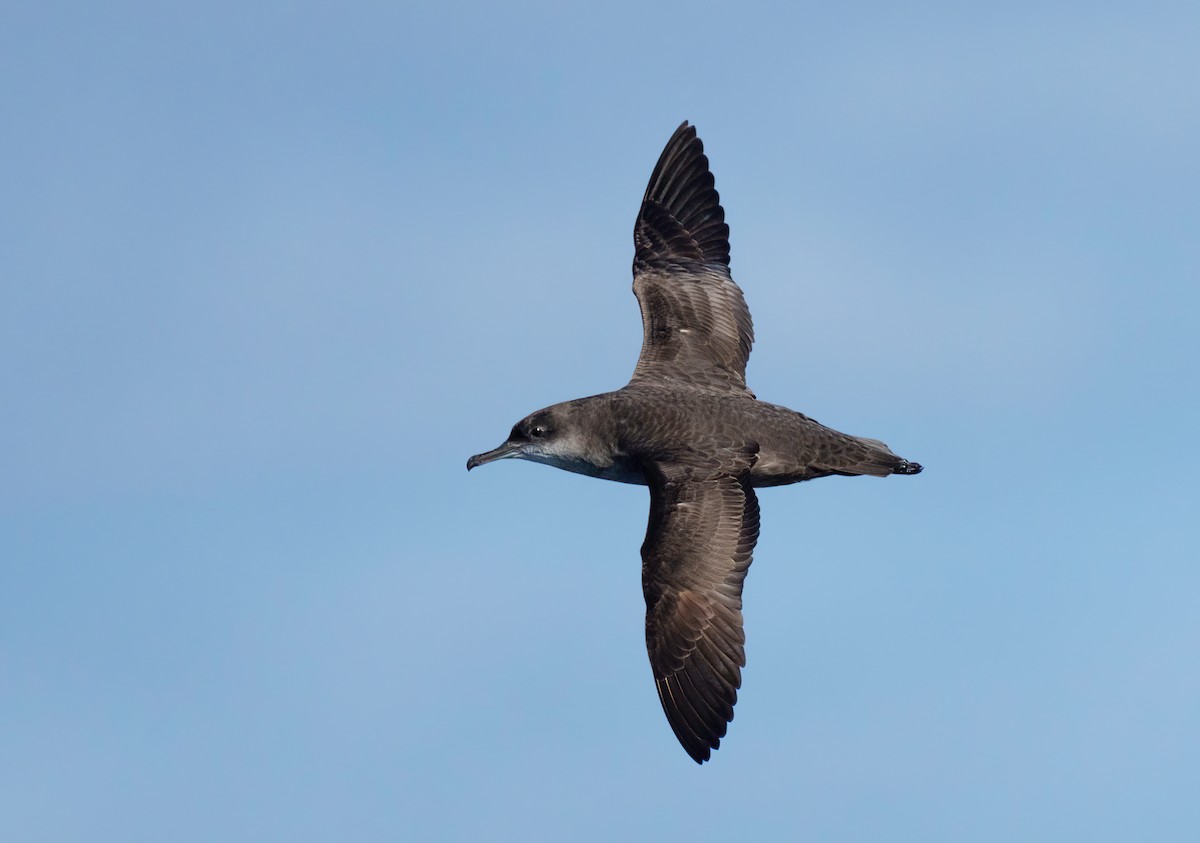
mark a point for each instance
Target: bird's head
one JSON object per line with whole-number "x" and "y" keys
{"x": 545, "y": 436}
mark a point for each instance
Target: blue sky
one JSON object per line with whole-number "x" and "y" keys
{"x": 270, "y": 273}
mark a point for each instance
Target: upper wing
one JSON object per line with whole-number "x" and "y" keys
{"x": 696, "y": 326}
{"x": 703, "y": 526}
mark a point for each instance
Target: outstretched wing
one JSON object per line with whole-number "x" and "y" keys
{"x": 702, "y": 531}
{"x": 696, "y": 326}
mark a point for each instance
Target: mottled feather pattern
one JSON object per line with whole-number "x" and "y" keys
{"x": 704, "y": 522}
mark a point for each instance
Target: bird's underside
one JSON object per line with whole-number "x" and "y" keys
{"x": 689, "y": 428}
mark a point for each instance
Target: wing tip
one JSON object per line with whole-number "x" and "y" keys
{"x": 681, "y": 219}
{"x": 685, "y": 128}
{"x": 684, "y": 721}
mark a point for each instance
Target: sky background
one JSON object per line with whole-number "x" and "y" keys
{"x": 270, "y": 273}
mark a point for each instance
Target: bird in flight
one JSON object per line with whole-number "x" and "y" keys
{"x": 687, "y": 426}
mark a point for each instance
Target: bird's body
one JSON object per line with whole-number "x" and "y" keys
{"x": 687, "y": 426}
{"x": 613, "y": 435}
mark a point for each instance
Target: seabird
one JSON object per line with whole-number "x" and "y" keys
{"x": 687, "y": 426}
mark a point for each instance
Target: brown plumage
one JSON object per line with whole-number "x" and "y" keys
{"x": 687, "y": 426}
{"x": 696, "y": 326}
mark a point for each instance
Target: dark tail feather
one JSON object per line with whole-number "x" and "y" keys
{"x": 879, "y": 461}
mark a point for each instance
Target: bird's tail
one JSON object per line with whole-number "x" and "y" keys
{"x": 877, "y": 460}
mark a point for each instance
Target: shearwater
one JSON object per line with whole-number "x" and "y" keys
{"x": 687, "y": 426}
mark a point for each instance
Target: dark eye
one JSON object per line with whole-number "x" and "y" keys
{"x": 537, "y": 431}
